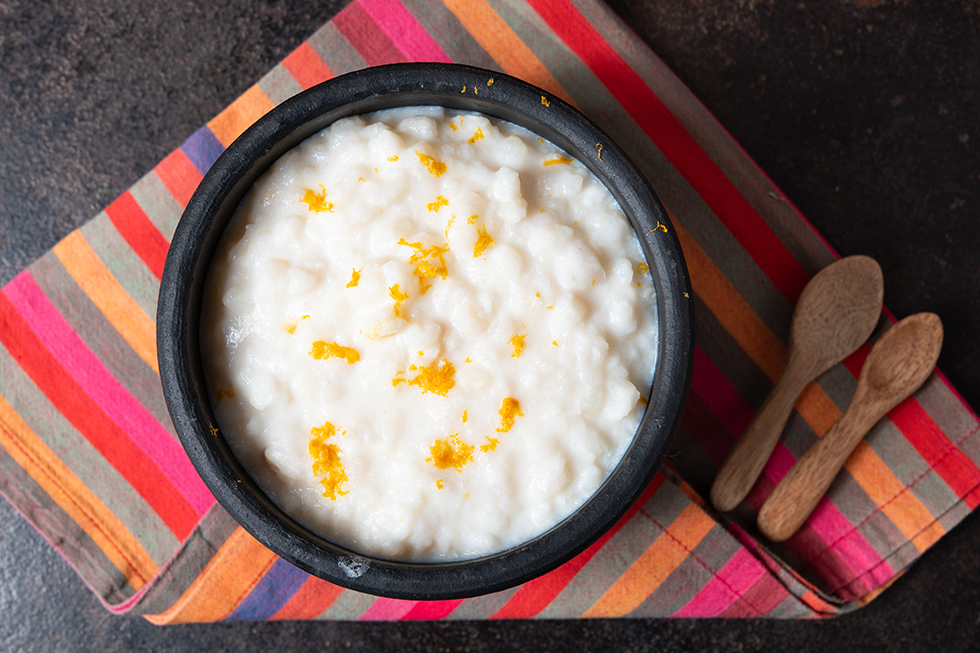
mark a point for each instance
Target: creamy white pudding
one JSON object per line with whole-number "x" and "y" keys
{"x": 428, "y": 335}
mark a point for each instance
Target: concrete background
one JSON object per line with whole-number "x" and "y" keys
{"x": 864, "y": 112}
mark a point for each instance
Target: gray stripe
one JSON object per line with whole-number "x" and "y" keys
{"x": 279, "y": 85}
{"x": 335, "y": 50}
{"x": 157, "y": 203}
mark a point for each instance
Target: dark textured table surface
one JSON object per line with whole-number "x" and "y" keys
{"x": 865, "y": 112}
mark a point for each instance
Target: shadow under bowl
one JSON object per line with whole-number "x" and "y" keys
{"x": 213, "y": 204}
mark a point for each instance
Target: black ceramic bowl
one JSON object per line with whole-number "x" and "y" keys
{"x": 213, "y": 204}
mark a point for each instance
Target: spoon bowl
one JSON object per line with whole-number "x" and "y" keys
{"x": 913, "y": 345}
{"x": 836, "y": 308}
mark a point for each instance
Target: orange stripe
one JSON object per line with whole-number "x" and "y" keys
{"x": 876, "y": 592}
{"x": 819, "y": 410}
{"x": 738, "y": 318}
{"x": 240, "y": 114}
{"x": 506, "y": 48}
{"x": 306, "y": 66}
{"x": 312, "y": 600}
{"x": 880, "y": 484}
{"x": 816, "y": 603}
{"x": 231, "y": 574}
{"x": 929, "y": 536}
{"x": 121, "y": 310}
{"x": 654, "y": 565}
{"x": 75, "y": 498}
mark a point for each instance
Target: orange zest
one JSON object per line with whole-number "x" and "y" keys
{"x": 558, "y": 160}
{"x": 326, "y": 461}
{"x": 355, "y": 278}
{"x": 317, "y": 201}
{"x": 435, "y": 378}
{"x": 400, "y": 298}
{"x": 483, "y": 241}
{"x": 430, "y": 262}
{"x": 433, "y": 166}
{"x": 510, "y": 409}
{"x": 440, "y": 202}
{"x": 322, "y": 350}
{"x": 451, "y": 452}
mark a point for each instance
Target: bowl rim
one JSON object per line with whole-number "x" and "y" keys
{"x": 457, "y": 87}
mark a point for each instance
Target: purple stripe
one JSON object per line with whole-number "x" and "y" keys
{"x": 203, "y": 149}
{"x": 272, "y": 592}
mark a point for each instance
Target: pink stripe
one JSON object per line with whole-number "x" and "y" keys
{"x": 827, "y": 521}
{"x": 852, "y": 548}
{"x": 878, "y": 574}
{"x": 105, "y": 390}
{"x": 717, "y": 392}
{"x": 729, "y": 583}
{"x": 874, "y": 577}
{"x": 387, "y": 610}
{"x": 430, "y": 610}
{"x": 404, "y": 31}
{"x": 779, "y": 463}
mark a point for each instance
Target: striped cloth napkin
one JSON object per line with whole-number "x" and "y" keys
{"x": 90, "y": 457}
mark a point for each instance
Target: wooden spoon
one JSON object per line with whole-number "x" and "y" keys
{"x": 898, "y": 364}
{"x": 836, "y": 313}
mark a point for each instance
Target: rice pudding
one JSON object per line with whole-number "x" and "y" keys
{"x": 428, "y": 336}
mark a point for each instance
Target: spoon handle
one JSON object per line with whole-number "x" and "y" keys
{"x": 749, "y": 455}
{"x": 798, "y": 493}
